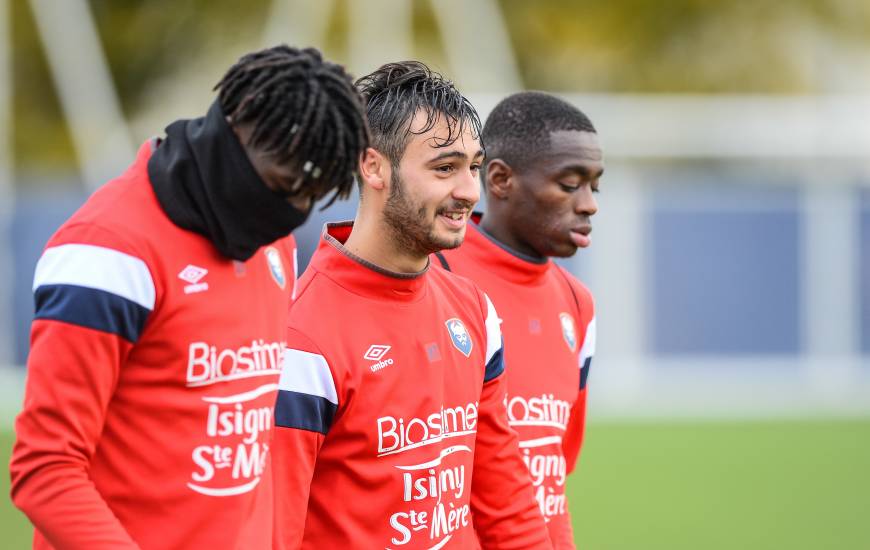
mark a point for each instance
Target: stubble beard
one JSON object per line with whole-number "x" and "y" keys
{"x": 409, "y": 225}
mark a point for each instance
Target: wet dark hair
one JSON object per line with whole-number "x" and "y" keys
{"x": 394, "y": 93}
{"x": 304, "y": 110}
{"x": 518, "y": 128}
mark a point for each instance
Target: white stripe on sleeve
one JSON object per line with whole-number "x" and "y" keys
{"x": 493, "y": 330}
{"x": 306, "y": 372}
{"x": 96, "y": 267}
{"x": 588, "y": 349}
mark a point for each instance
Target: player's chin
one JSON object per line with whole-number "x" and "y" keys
{"x": 447, "y": 241}
{"x": 561, "y": 249}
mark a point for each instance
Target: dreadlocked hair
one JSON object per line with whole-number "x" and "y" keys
{"x": 396, "y": 92}
{"x": 304, "y": 110}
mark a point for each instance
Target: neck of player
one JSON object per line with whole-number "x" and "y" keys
{"x": 493, "y": 225}
{"x": 373, "y": 241}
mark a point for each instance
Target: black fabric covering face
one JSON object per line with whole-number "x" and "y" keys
{"x": 205, "y": 183}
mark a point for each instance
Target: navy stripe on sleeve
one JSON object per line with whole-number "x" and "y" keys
{"x": 495, "y": 367}
{"x": 91, "y": 308}
{"x": 584, "y": 372}
{"x": 304, "y": 411}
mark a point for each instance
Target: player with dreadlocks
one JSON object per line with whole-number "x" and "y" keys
{"x": 391, "y": 429}
{"x": 290, "y": 104}
{"x": 161, "y": 311}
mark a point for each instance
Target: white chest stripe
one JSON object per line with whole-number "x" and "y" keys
{"x": 493, "y": 330}
{"x": 307, "y": 373}
{"x": 99, "y": 268}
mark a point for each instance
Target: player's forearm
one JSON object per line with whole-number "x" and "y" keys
{"x": 63, "y": 504}
{"x": 561, "y": 532}
{"x": 505, "y": 513}
{"x": 572, "y": 441}
{"x": 294, "y": 455}
{"x": 72, "y": 373}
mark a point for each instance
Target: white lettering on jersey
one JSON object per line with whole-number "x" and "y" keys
{"x": 396, "y": 435}
{"x": 545, "y": 410}
{"x": 206, "y": 364}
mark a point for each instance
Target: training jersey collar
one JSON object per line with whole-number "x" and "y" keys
{"x": 502, "y": 260}
{"x": 361, "y": 276}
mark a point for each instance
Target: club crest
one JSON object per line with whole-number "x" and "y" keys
{"x": 569, "y": 331}
{"x": 459, "y": 335}
{"x": 276, "y": 267}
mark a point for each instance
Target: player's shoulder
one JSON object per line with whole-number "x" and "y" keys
{"x": 122, "y": 214}
{"x": 287, "y": 245}
{"x": 320, "y": 302}
{"x": 580, "y": 291}
{"x": 451, "y": 281}
{"x": 458, "y": 288}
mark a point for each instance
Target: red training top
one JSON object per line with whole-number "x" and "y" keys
{"x": 548, "y": 322}
{"x": 152, "y": 373}
{"x": 392, "y": 430}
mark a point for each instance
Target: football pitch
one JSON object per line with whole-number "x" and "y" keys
{"x": 690, "y": 485}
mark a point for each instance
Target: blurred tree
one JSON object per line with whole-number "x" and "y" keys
{"x": 636, "y": 46}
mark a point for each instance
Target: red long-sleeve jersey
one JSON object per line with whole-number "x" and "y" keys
{"x": 391, "y": 429}
{"x": 152, "y": 374}
{"x": 548, "y": 322}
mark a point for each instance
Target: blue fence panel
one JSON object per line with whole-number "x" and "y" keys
{"x": 724, "y": 261}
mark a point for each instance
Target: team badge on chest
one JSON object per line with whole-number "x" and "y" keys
{"x": 569, "y": 331}
{"x": 459, "y": 335}
{"x": 276, "y": 266}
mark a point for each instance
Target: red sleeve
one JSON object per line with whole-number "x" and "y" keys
{"x": 505, "y": 512}
{"x": 573, "y": 439}
{"x": 294, "y": 454}
{"x": 84, "y": 328}
{"x": 72, "y": 372}
{"x": 306, "y": 404}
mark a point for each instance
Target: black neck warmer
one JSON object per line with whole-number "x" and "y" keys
{"x": 205, "y": 183}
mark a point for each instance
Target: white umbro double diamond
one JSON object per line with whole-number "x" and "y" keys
{"x": 193, "y": 275}
{"x": 376, "y": 352}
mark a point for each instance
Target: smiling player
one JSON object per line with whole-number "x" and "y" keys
{"x": 391, "y": 427}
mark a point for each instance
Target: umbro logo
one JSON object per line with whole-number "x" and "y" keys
{"x": 193, "y": 275}
{"x": 376, "y": 352}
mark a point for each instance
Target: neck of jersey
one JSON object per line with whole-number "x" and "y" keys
{"x": 361, "y": 276}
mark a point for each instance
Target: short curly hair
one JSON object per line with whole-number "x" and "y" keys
{"x": 518, "y": 128}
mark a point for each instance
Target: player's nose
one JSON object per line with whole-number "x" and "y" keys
{"x": 585, "y": 202}
{"x": 467, "y": 187}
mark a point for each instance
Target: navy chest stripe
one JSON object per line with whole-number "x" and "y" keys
{"x": 304, "y": 411}
{"x": 584, "y": 372}
{"x": 91, "y": 308}
{"x": 495, "y": 366}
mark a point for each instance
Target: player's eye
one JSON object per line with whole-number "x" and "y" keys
{"x": 444, "y": 168}
{"x": 567, "y": 187}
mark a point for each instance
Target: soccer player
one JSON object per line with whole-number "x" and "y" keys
{"x": 161, "y": 308}
{"x": 543, "y": 166}
{"x": 390, "y": 421}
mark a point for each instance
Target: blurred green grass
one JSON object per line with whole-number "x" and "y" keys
{"x": 690, "y": 485}
{"x": 747, "y": 485}
{"x": 15, "y": 530}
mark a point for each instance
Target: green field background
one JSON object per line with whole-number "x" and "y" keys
{"x": 694, "y": 485}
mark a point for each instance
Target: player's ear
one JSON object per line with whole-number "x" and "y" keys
{"x": 499, "y": 178}
{"x": 374, "y": 169}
